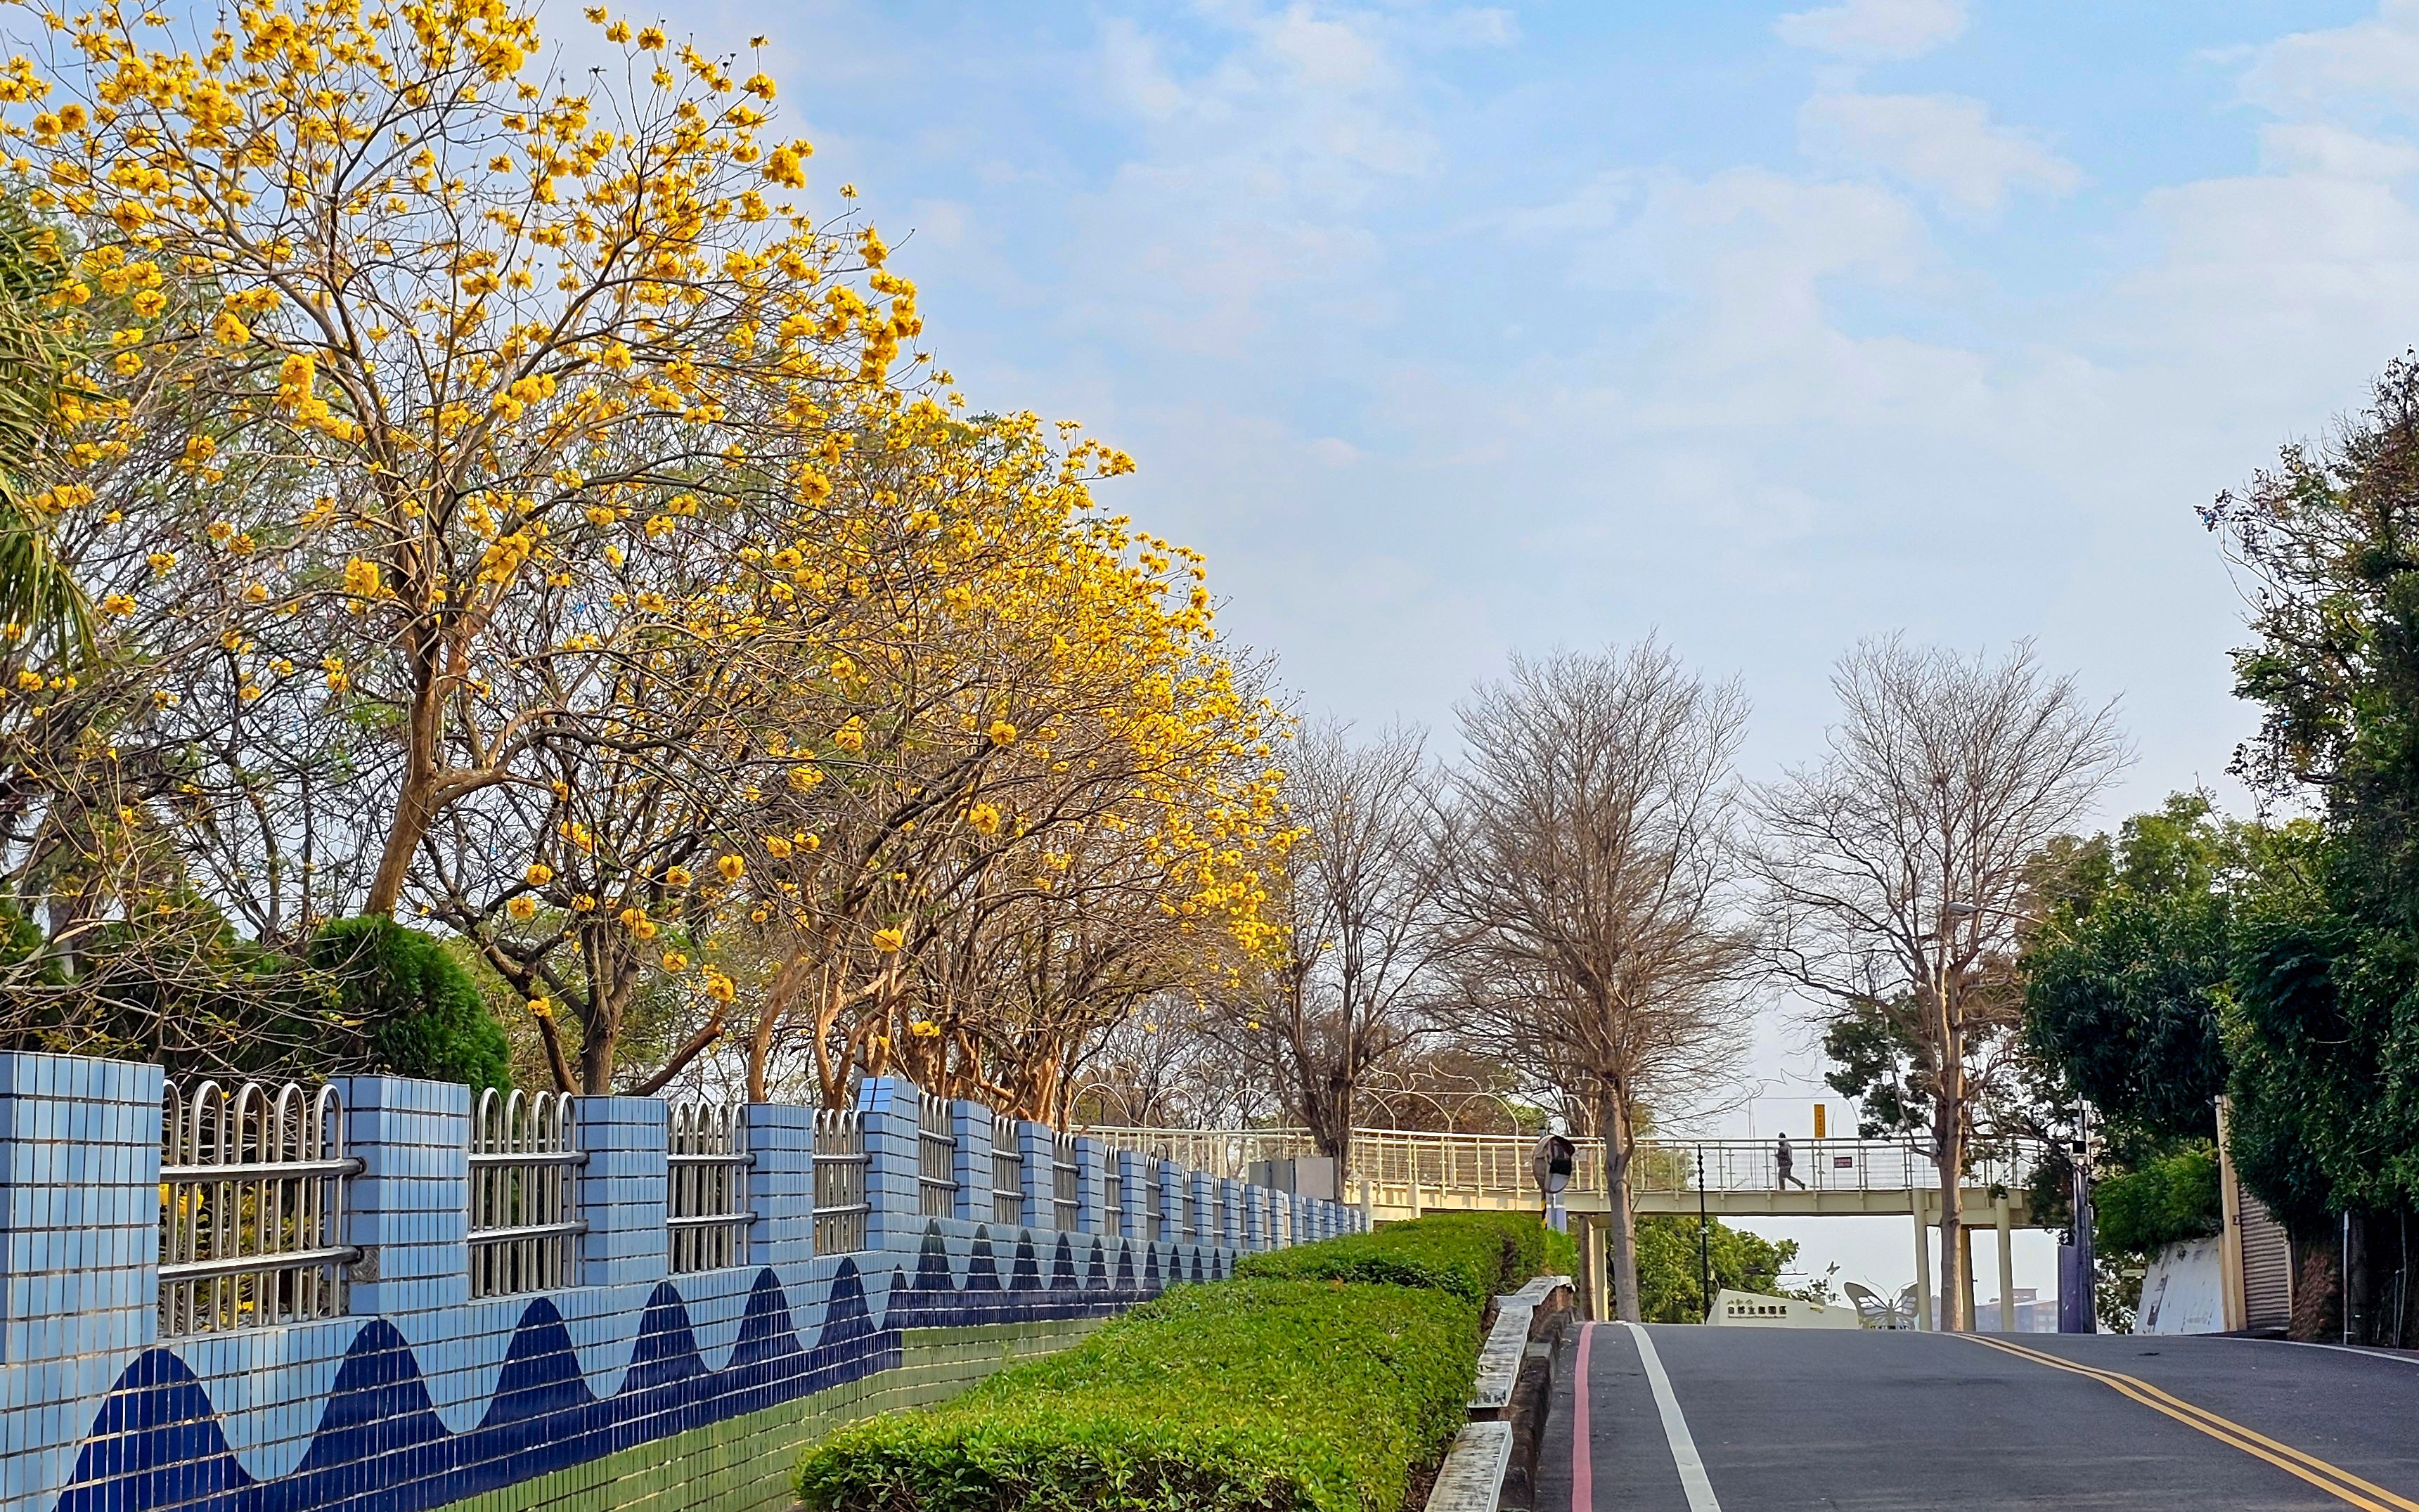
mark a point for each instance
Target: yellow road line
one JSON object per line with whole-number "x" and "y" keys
{"x": 2332, "y": 1479}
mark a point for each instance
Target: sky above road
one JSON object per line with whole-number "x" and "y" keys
{"x": 1448, "y": 331}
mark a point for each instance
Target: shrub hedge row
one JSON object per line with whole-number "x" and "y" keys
{"x": 1315, "y": 1385}
{"x": 1472, "y": 1255}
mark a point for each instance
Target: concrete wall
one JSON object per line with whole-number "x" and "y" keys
{"x": 633, "y": 1387}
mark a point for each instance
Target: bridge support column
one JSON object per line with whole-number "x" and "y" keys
{"x": 1965, "y": 1271}
{"x": 2007, "y": 1267}
{"x": 1922, "y": 1261}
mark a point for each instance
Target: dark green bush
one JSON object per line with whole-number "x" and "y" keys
{"x": 1562, "y": 1255}
{"x": 1670, "y": 1281}
{"x": 1472, "y": 1255}
{"x": 2160, "y": 1201}
{"x": 1242, "y": 1396}
{"x": 418, "y": 1010}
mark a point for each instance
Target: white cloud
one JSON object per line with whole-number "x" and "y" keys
{"x": 1875, "y": 31}
{"x": 1472, "y": 26}
{"x": 2359, "y": 70}
{"x": 1945, "y": 143}
{"x": 1256, "y": 164}
{"x": 2333, "y": 152}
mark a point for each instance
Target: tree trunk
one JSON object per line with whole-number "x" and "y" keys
{"x": 1620, "y": 1251}
{"x": 597, "y": 1062}
{"x": 415, "y": 807}
{"x": 1950, "y": 1159}
{"x": 1328, "y": 1112}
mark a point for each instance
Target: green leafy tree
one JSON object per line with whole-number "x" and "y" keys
{"x": 1670, "y": 1281}
{"x": 418, "y": 1011}
{"x": 38, "y": 352}
{"x": 2165, "y": 1199}
{"x": 2127, "y": 979}
{"x": 2321, "y": 1022}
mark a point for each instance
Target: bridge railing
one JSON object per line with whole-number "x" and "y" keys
{"x": 1400, "y": 1165}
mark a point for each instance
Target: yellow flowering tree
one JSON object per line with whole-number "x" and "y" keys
{"x": 1052, "y": 690}
{"x": 464, "y": 330}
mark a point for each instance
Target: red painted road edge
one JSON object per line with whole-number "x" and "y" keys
{"x": 1582, "y": 1473}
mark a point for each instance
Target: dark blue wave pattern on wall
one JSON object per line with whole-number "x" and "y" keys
{"x": 380, "y": 1446}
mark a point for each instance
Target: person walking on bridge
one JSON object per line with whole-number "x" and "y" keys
{"x": 1785, "y": 1160}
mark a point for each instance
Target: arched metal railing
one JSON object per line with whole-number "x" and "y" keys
{"x": 1065, "y": 1183}
{"x": 706, "y": 1194}
{"x": 936, "y": 1158}
{"x": 251, "y": 1206}
{"x": 840, "y": 1183}
{"x": 1007, "y": 1172}
{"x": 524, "y": 1207}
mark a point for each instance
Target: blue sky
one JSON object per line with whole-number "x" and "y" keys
{"x": 1450, "y": 330}
{"x": 1447, "y": 330}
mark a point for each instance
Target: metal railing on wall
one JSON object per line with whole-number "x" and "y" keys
{"x": 524, "y": 1215}
{"x": 253, "y": 1190}
{"x": 936, "y": 1158}
{"x": 251, "y": 1206}
{"x": 1006, "y": 1173}
{"x": 1221, "y": 1152}
{"x": 840, "y": 1206}
{"x": 706, "y": 1191}
{"x": 1065, "y": 1183}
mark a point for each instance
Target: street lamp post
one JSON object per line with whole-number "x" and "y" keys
{"x": 1705, "y": 1247}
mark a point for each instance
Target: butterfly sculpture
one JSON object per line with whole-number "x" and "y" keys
{"x": 1874, "y": 1310}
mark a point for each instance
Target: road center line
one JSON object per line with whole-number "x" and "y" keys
{"x": 1676, "y": 1427}
{"x": 2334, "y": 1479}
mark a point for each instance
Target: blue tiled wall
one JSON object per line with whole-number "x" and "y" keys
{"x": 420, "y": 1395}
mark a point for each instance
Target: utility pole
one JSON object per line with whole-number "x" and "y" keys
{"x": 1704, "y": 1249}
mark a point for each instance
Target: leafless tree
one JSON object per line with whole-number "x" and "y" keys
{"x": 1164, "y": 1066}
{"x": 1585, "y": 845}
{"x": 1344, "y": 1000}
{"x": 1897, "y": 869}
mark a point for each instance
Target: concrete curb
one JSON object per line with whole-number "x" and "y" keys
{"x": 1472, "y": 1477}
{"x": 1507, "y": 1344}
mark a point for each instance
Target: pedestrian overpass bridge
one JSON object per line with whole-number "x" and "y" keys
{"x": 1397, "y": 1173}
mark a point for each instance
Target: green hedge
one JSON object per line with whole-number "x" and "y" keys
{"x": 1314, "y": 1381}
{"x": 1472, "y": 1255}
{"x": 1239, "y": 1396}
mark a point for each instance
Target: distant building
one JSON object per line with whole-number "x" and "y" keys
{"x": 2033, "y": 1315}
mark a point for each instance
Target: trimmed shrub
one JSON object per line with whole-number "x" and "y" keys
{"x": 1248, "y": 1396}
{"x": 419, "y": 1012}
{"x": 1472, "y": 1255}
{"x": 1562, "y": 1255}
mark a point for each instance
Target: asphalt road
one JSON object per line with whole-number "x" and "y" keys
{"x": 1821, "y": 1418}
